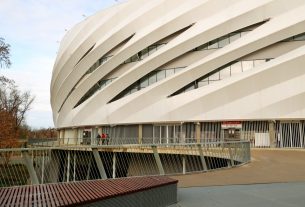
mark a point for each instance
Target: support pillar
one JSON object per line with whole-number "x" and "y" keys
{"x": 198, "y": 132}
{"x": 272, "y": 134}
{"x": 140, "y": 138}
{"x": 68, "y": 167}
{"x": 204, "y": 164}
{"x": 183, "y": 165}
{"x": 114, "y": 165}
{"x": 61, "y": 137}
{"x": 29, "y": 164}
{"x": 158, "y": 160}
{"x": 75, "y": 136}
{"x": 99, "y": 163}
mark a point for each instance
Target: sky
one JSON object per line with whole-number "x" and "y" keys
{"x": 34, "y": 29}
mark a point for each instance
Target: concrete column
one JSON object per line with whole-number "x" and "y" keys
{"x": 99, "y": 163}
{"x": 158, "y": 160}
{"x": 114, "y": 165}
{"x": 272, "y": 134}
{"x": 29, "y": 165}
{"x": 62, "y": 137}
{"x": 198, "y": 132}
{"x": 75, "y": 136}
{"x": 183, "y": 165}
{"x": 68, "y": 167}
{"x": 204, "y": 164}
{"x": 140, "y": 138}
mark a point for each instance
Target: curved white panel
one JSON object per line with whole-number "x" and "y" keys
{"x": 272, "y": 90}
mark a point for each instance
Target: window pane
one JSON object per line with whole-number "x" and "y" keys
{"x": 152, "y": 49}
{"x": 244, "y": 33}
{"x": 144, "y": 53}
{"x": 214, "y": 77}
{"x": 236, "y": 68}
{"x": 299, "y": 37}
{"x": 108, "y": 81}
{"x": 152, "y": 78}
{"x": 178, "y": 70}
{"x": 247, "y": 64}
{"x": 258, "y": 62}
{"x": 223, "y": 41}
{"x": 170, "y": 72}
{"x": 213, "y": 44}
{"x": 189, "y": 88}
{"x": 160, "y": 45}
{"x": 160, "y": 75}
{"x": 234, "y": 37}
{"x": 133, "y": 90}
{"x": 225, "y": 73}
{"x": 144, "y": 82}
{"x": 203, "y": 83}
{"x": 203, "y": 47}
{"x": 134, "y": 58}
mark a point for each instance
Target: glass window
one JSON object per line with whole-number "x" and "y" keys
{"x": 299, "y": 37}
{"x": 223, "y": 41}
{"x": 258, "y": 62}
{"x": 160, "y": 75}
{"x": 152, "y": 78}
{"x": 236, "y": 68}
{"x": 134, "y": 58}
{"x": 225, "y": 73}
{"x": 189, "y": 88}
{"x": 202, "y": 47}
{"x": 133, "y": 90}
{"x": 244, "y": 33}
{"x": 202, "y": 83}
{"x": 160, "y": 45}
{"x": 144, "y": 53}
{"x": 247, "y": 64}
{"x": 152, "y": 49}
{"x": 214, "y": 77}
{"x": 170, "y": 72}
{"x": 144, "y": 82}
{"x": 234, "y": 36}
{"x": 178, "y": 70}
{"x": 213, "y": 44}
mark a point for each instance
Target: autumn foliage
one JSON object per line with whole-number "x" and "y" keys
{"x": 9, "y": 133}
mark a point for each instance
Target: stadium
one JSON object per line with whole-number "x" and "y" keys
{"x": 177, "y": 71}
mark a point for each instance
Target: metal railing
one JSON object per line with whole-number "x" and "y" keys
{"x": 38, "y": 165}
{"x": 60, "y": 142}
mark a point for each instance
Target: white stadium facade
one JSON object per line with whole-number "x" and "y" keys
{"x": 176, "y": 71}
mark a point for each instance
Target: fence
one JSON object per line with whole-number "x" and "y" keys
{"x": 64, "y": 164}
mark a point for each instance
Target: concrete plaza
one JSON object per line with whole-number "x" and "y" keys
{"x": 275, "y": 177}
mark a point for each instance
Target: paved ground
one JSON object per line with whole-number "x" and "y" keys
{"x": 264, "y": 195}
{"x": 267, "y": 166}
{"x": 273, "y": 178}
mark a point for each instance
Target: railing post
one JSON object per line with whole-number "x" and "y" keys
{"x": 29, "y": 164}
{"x": 99, "y": 163}
{"x": 230, "y": 154}
{"x": 158, "y": 160}
{"x": 204, "y": 164}
{"x": 42, "y": 169}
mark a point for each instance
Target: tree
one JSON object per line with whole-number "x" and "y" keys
{"x": 4, "y": 54}
{"x": 13, "y": 101}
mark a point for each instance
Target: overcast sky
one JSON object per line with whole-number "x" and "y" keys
{"x": 34, "y": 29}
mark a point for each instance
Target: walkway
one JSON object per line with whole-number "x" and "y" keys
{"x": 267, "y": 166}
{"x": 265, "y": 195}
